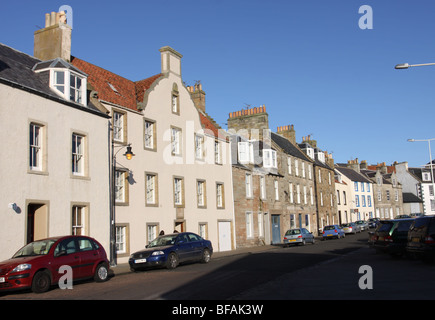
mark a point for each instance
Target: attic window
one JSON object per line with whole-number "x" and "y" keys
{"x": 68, "y": 84}
{"x": 65, "y": 80}
{"x": 113, "y": 87}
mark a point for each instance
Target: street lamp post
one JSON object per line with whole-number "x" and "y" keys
{"x": 407, "y": 65}
{"x": 128, "y": 155}
{"x": 430, "y": 160}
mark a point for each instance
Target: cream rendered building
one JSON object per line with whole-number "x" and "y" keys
{"x": 54, "y": 167}
{"x": 180, "y": 176}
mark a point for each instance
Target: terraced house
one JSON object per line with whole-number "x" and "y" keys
{"x": 177, "y": 178}
{"x": 180, "y": 176}
{"x": 324, "y": 177}
{"x": 272, "y": 179}
{"x": 56, "y": 174}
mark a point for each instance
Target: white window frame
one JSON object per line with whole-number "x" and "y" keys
{"x": 248, "y": 185}
{"x": 151, "y": 188}
{"x": 120, "y": 186}
{"x": 200, "y": 193}
{"x": 66, "y": 89}
{"x": 78, "y": 154}
{"x": 199, "y": 147}
{"x": 276, "y": 187}
{"x": 78, "y": 220}
{"x": 36, "y": 134}
{"x": 269, "y": 158}
{"x": 249, "y": 225}
{"x": 176, "y": 141}
{"x": 118, "y": 126}
{"x": 121, "y": 239}
{"x": 178, "y": 191}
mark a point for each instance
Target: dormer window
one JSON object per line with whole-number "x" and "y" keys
{"x": 66, "y": 80}
{"x": 69, "y": 85}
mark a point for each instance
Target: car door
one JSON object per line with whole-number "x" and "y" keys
{"x": 88, "y": 256}
{"x": 308, "y": 235}
{"x": 197, "y": 246}
{"x": 184, "y": 248}
{"x": 66, "y": 254}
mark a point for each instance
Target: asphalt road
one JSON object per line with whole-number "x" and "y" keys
{"x": 328, "y": 270}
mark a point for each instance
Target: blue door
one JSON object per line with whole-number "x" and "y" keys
{"x": 276, "y": 229}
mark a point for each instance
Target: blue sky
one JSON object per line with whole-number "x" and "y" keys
{"x": 306, "y": 60}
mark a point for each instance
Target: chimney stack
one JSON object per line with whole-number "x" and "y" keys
{"x": 53, "y": 41}
{"x": 287, "y": 132}
{"x": 198, "y": 96}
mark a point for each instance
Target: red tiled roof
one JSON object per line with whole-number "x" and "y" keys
{"x": 123, "y": 92}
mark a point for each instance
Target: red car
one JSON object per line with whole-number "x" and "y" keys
{"x": 37, "y": 264}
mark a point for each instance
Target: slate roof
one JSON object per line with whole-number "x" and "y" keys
{"x": 352, "y": 174}
{"x": 410, "y": 197}
{"x": 289, "y": 147}
{"x": 16, "y": 69}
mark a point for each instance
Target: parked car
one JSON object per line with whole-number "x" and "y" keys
{"x": 351, "y": 228}
{"x": 403, "y": 216}
{"x": 373, "y": 222}
{"x": 36, "y": 265}
{"x": 421, "y": 237}
{"x": 363, "y": 224}
{"x": 416, "y": 215}
{"x": 171, "y": 250}
{"x": 392, "y": 236}
{"x": 298, "y": 236}
{"x": 332, "y": 231}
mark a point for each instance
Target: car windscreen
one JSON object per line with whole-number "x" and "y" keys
{"x": 292, "y": 232}
{"x": 163, "y": 241}
{"x": 329, "y": 228}
{"x": 385, "y": 227}
{"x": 403, "y": 226}
{"x": 36, "y": 248}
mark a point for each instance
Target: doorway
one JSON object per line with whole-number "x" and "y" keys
{"x": 276, "y": 229}
{"x": 37, "y": 222}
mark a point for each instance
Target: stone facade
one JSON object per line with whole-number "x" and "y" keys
{"x": 273, "y": 180}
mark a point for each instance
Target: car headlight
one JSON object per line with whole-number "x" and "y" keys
{"x": 158, "y": 253}
{"x": 22, "y": 267}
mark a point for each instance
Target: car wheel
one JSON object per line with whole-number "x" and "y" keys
{"x": 172, "y": 261}
{"x": 303, "y": 242}
{"x": 206, "y": 256}
{"x": 101, "y": 273}
{"x": 314, "y": 241}
{"x": 41, "y": 282}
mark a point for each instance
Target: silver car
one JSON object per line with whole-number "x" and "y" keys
{"x": 298, "y": 236}
{"x": 351, "y": 228}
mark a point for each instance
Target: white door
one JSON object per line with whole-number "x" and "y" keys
{"x": 224, "y": 235}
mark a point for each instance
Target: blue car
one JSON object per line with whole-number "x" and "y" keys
{"x": 171, "y": 250}
{"x": 333, "y": 231}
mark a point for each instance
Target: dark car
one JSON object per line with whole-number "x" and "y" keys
{"x": 421, "y": 237}
{"x": 373, "y": 222}
{"x": 172, "y": 249}
{"x": 37, "y": 264}
{"x": 391, "y": 236}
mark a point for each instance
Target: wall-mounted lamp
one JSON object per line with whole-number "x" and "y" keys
{"x": 129, "y": 154}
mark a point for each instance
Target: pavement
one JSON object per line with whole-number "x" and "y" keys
{"x": 124, "y": 268}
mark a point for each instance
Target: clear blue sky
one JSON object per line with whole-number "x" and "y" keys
{"x": 306, "y": 60}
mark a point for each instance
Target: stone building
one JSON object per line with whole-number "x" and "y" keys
{"x": 324, "y": 179}
{"x": 387, "y": 191}
{"x": 272, "y": 179}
